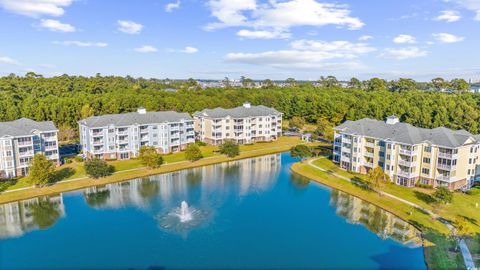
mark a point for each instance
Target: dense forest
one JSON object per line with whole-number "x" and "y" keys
{"x": 67, "y": 99}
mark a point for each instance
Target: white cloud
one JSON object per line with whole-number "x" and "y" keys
{"x": 448, "y": 16}
{"x": 171, "y": 6}
{"x": 244, "y": 33}
{"x": 473, "y": 5}
{"x": 307, "y": 54}
{"x": 56, "y": 26}
{"x": 8, "y": 61}
{"x": 447, "y": 38}
{"x": 36, "y": 8}
{"x": 189, "y": 50}
{"x": 81, "y": 43}
{"x": 279, "y": 16}
{"x": 404, "y": 53}
{"x": 365, "y": 38}
{"x": 129, "y": 27}
{"x": 146, "y": 49}
{"x": 404, "y": 39}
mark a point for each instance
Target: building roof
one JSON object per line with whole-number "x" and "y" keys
{"x": 24, "y": 127}
{"x": 127, "y": 119}
{"x": 238, "y": 112}
{"x": 406, "y": 133}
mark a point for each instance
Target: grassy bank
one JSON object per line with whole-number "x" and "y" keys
{"x": 440, "y": 249}
{"x": 131, "y": 169}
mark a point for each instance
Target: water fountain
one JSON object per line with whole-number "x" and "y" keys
{"x": 184, "y": 214}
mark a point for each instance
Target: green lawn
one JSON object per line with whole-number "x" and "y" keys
{"x": 77, "y": 169}
{"x": 463, "y": 204}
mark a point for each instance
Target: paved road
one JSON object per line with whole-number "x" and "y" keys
{"x": 467, "y": 256}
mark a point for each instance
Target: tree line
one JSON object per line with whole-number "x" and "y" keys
{"x": 67, "y": 99}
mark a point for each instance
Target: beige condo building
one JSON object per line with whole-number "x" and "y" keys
{"x": 244, "y": 124}
{"x": 408, "y": 154}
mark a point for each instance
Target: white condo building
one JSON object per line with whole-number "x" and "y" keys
{"x": 20, "y": 140}
{"x": 120, "y": 136}
{"x": 244, "y": 124}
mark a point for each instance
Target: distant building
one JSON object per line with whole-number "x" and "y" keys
{"x": 408, "y": 154}
{"x": 20, "y": 140}
{"x": 120, "y": 136}
{"x": 244, "y": 124}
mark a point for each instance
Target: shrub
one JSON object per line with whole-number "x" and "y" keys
{"x": 97, "y": 168}
{"x": 78, "y": 158}
{"x": 426, "y": 186}
{"x": 443, "y": 195}
{"x": 6, "y": 183}
{"x": 200, "y": 143}
{"x": 229, "y": 148}
{"x": 150, "y": 157}
{"x": 193, "y": 153}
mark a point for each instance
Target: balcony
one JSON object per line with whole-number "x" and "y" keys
{"x": 369, "y": 154}
{"x": 26, "y": 153}
{"x": 370, "y": 144}
{"x": 98, "y": 142}
{"x": 122, "y": 141}
{"x": 447, "y": 155}
{"x": 50, "y": 147}
{"x": 368, "y": 164}
{"x": 446, "y": 167}
{"x": 25, "y": 143}
{"x": 345, "y": 140}
{"x": 122, "y": 132}
{"x": 405, "y": 174}
{"x": 98, "y": 150}
{"x": 407, "y": 152}
{"x": 443, "y": 177}
{"x": 176, "y": 127}
{"x": 94, "y": 134}
{"x": 346, "y": 159}
{"x": 406, "y": 163}
{"x": 53, "y": 156}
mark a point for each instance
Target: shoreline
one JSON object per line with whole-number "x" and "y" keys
{"x": 324, "y": 183}
{"x": 122, "y": 176}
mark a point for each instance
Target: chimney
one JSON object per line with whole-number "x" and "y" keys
{"x": 246, "y": 105}
{"x": 141, "y": 110}
{"x": 392, "y": 120}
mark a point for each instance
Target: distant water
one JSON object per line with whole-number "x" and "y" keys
{"x": 251, "y": 214}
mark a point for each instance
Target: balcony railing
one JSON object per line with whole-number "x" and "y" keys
{"x": 25, "y": 143}
{"x": 405, "y": 174}
{"x": 98, "y": 142}
{"x": 443, "y": 177}
{"x": 345, "y": 140}
{"x": 50, "y": 147}
{"x": 407, "y": 152}
{"x": 369, "y": 154}
{"x": 406, "y": 163}
{"x": 447, "y": 155}
{"x": 346, "y": 159}
{"x": 445, "y": 167}
{"x": 368, "y": 164}
{"x": 120, "y": 133}
{"x": 369, "y": 144}
{"x": 26, "y": 153}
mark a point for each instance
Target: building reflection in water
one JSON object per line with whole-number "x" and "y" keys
{"x": 377, "y": 220}
{"x": 205, "y": 188}
{"x": 243, "y": 177}
{"x": 18, "y": 218}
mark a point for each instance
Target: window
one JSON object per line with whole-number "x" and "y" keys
{"x": 387, "y": 167}
{"x": 382, "y": 154}
{"x": 428, "y": 149}
{"x": 426, "y": 160}
{"x": 470, "y": 161}
{"x": 425, "y": 171}
{"x": 388, "y": 156}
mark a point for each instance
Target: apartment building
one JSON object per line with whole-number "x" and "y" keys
{"x": 408, "y": 154}
{"x": 20, "y": 140}
{"x": 244, "y": 124}
{"x": 120, "y": 136}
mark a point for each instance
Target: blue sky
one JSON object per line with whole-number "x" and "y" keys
{"x": 211, "y": 39}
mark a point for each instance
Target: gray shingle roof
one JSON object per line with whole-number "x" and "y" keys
{"x": 24, "y": 126}
{"x": 127, "y": 119}
{"x": 406, "y": 133}
{"x": 238, "y": 112}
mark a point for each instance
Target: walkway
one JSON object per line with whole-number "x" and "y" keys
{"x": 467, "y": 256}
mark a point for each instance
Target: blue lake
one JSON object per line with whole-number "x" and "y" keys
{"x": 249, "y": 214}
